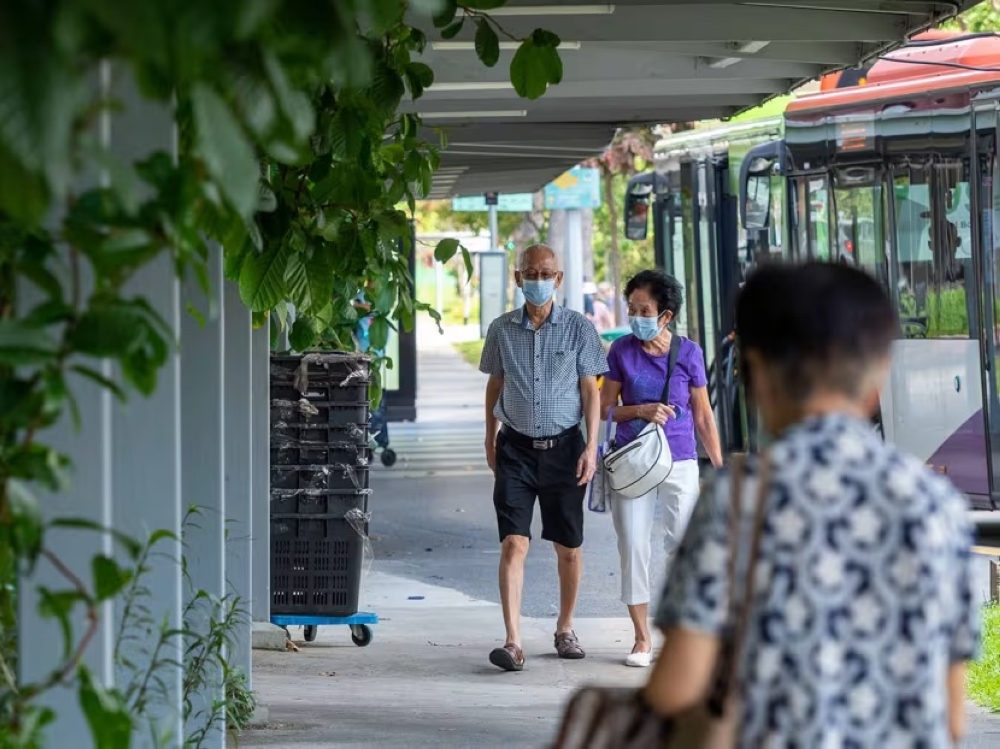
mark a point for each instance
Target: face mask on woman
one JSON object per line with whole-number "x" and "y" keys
{"x": 645, "y": 328}
{"x": 538, "y": 292}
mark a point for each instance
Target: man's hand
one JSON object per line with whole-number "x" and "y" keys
{"x": 491, "y": 454}
{"x": 586, "y": 465}
{"x": 658, "y": 413}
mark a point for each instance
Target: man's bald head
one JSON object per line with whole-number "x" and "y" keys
{"x": 538, "y": 254}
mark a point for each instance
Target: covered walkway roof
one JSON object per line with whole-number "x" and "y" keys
{"x": 639, "y": 62}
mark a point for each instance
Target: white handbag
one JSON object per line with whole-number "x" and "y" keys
{"x": 644, "y": 463}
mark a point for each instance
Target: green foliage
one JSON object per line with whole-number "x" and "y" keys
{"x": 984, "y": 17}
{"x": 984, "y": 673}
{"x": 471, "y": 351}
{"x": 292, "y": 155}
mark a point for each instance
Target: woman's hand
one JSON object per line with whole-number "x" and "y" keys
{"x": 658, "y": 413}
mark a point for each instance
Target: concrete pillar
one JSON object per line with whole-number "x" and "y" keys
{"x": 203, "y": 477}
{"x": 236, "y": 396}
{"x": 146, "y": 444}
{"x": 573, "y": 262}
{"x": 260, "y": 475}
{"x": 88, "y": 497}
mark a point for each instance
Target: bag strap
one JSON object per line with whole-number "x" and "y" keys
{"x": 741, "y": 611}
{"x": 675, "y": 350}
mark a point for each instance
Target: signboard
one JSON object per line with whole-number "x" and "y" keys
{"x": 516, "y": 202}
{"x": 492, "y": 288}
{"x": 576, "y": 189}
{"x": 491, "y": 198}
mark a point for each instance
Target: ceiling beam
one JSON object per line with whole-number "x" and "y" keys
{"x": 725, "y": 22}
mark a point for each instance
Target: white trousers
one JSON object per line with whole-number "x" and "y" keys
{"x": 633, "y": 520}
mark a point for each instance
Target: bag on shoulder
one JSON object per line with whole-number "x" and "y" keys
{"x": 646, "y": 462}
{"x": 602, "y": 718}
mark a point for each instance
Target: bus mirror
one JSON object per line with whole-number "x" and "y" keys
{"x": 757, "y": 201}
{"x": 637, "y": 214}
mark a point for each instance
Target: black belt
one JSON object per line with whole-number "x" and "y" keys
{"x": 537, "y": 443}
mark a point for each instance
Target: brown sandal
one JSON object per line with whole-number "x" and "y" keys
{"x": 568, "y": 646}
{"x": 510, "y": 657}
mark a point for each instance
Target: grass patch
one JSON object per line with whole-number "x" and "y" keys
{"x": 984, "y": 674}
{"x": 470, "y": 351}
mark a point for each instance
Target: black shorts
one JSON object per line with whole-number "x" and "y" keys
{"x": 524, "y": 473}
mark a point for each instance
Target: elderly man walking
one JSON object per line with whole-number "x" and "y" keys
{"x": 543, "y": 361}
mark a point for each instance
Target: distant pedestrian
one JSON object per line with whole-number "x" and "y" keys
{"x": 639, "y": 366}
{"x": 615, "y": 302}
{"x": 543, "y": 361}
{"x": 598, "y": 312}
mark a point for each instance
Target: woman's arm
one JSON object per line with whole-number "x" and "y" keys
{"x": 683, "y": 672}
{"x": 611, "y": 391}
{"x": 704, "y": 423}
{"x": 956, "y": 701}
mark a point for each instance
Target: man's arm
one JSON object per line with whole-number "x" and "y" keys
{"x": 491, "y": 363}
{"x": 590, "y": 397}
{"x": 494, "y": 387}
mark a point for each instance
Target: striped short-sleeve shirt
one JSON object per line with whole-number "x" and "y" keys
{"x": 542, "y": 368}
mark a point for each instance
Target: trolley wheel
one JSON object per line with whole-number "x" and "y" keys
{"x": 388, "y": 457}
{"x": 362, "y": 635}
{"x": 309, "y": 632}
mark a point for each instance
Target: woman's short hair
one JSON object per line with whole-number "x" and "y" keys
{"x": 664, "y": 288}
{"x": 822, "y": 325}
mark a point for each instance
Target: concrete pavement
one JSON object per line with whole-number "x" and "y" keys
{"x": 425, "y": 680}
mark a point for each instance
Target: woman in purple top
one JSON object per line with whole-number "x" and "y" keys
{"x": 637, "y": 372}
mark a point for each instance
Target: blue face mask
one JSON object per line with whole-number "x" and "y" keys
{"x": 538, "y": 292}
{"x": 645, "y": 328}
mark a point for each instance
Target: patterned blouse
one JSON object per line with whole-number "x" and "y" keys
{"x": 863, "y": 593}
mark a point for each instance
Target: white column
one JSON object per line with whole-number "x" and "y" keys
{"x": 573, "y": 262}
{"x": 203, "y": 478}
{"x": 146, "y": 444}
{"x": 236, "y": 396}
{"x": 260, "y": 474}
{"x": 88, "y": 497}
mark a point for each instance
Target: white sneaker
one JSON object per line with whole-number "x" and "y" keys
{"x": 639, "y": 660}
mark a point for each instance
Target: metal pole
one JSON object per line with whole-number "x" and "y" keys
{"x": 494, "y": 229}
{"x": 573, "y": 270}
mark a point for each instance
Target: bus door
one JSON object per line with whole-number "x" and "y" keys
{"x": 810, "y": 219}
{"x": 933, "y": 405}
{"x": 985, "y": 235}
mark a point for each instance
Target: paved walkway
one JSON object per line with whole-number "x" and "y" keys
{"x": 425, "y": 682}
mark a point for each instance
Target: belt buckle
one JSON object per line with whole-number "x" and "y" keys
{"x": 541, "y": 444}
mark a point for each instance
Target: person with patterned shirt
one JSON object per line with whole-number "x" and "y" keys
{"x": 861, "y": 614}
{"x": 543, "y": 361}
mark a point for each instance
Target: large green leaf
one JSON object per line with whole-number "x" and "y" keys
{"x": 109, "y": 330}
{"x": 303, "y": 334}
{"x": 536, "y": 65}
{"x": 446, "y": 14}
{"x": 23, "y": 344}
{"x": 446, "y": 249}
{"x": 225, "y": 148}
{"x": 419, "y": 76}
{"x": 262, "y": 278}
{"x": 109, "y": 578}
{"x": 487, "y": 43}
{"x": 107, "y": 713}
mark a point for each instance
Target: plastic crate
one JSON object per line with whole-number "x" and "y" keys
{"x": 341, "y": 453}
{"x": 356, "y": 392}
{"x": 323, "y": 371}
{"x": 327, "y": 505}
{"x": 320, "y": 413}
{"x": 315, "y": 566}
{"x": 320, "y": 479}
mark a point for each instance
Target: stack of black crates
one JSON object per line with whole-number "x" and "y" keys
{"x": 319, "y": 482}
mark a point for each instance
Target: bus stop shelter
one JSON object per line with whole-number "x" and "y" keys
{"x": 203, "y": 438}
